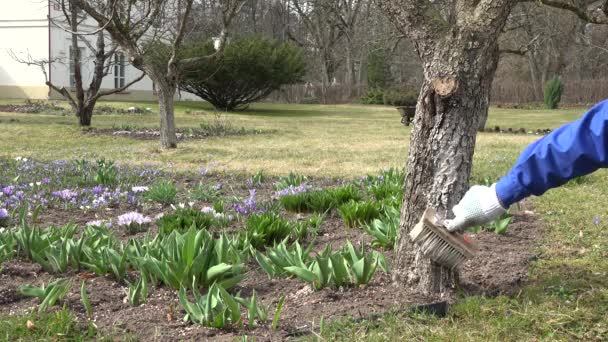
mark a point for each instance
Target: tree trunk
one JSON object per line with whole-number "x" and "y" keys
{"x": 166, "y": 90}
{"x": 453, "y": 101}
{"x": 168, "y": 139}
{"x": 533, "y": 76}
{"x": 351, "y": 79}
{"x": 85, "y": 114}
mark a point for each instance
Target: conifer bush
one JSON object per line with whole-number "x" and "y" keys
{"x": 248, "y": 70}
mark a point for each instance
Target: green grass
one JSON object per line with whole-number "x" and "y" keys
{"x": 56, "y": 326}
{"x": 567, "y": 297}
{"x": 312, "y": 139}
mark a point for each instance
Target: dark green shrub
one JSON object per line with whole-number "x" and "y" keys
{"x": 182, "y": 219}
{"x": 296, "y": 203}
{"x": 163, "y": 192}
{"x": 293, "y": 180}
{"x": 355, "y": 214}
{"x": 553, "y": 92}
{"x": 105, "y": 172}
{"x": 373, "y": 96}
{"x": 345, "y": 194}
{"x": 320, "y": 201}
{"x": 249, "y": 70}
{"x": 314, "y": 201}
{"x": 204, "y": 192}
{"x": 399, "y": 97}
{"x": 378, "y": 69}
{"x": 384, "y": 230}
{"x": 389, "y": 184}
{"x": 268, "y": 228}
{"x": 390, "y": 97}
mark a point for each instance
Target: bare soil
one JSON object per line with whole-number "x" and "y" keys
{"x": 182, "y": 134}
{"x": 499, "y": 268}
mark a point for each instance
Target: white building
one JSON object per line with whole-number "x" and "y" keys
{"x": 25, "y": 30}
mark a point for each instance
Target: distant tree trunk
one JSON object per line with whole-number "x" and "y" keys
{"x": 325, "y": 80}
{"x": 533, "y": 76}
{"x": 166, "y": 91}
{"x": 85, "y": 114}
{"x": 351, "y": 79}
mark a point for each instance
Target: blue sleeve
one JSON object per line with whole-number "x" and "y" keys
{"x": 573, "y": 150}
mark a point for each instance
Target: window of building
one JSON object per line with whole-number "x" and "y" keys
{"x": 119, "y": 70}
{"x": 71, "y": 65}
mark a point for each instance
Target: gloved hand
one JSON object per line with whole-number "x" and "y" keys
{"x": 479, "y": 205}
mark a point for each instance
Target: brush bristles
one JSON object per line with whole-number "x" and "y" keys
{"x": 439, "y": 250}
{"x": 436, "y": 243}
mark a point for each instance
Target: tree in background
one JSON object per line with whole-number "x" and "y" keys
{"x": 248, "y": 70}
{"x": 322, "y": 36}
{"x": 140, "y": 25}
{"x": 83, "y": 100}
{"x": 553, "y": 92}
{"x": 378, "y": 69}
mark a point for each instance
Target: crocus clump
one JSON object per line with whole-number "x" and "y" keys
{"x": 29, "y": 183}
{"x": 248, "y": 206}
{"x": 139, "y": 189}
{"x": 67, "y": 195}
{"x": 216, "y": 215}
{"x": 99, "y": 223}
{"x": 293, "y": 190}
{"x": 4, "y": 217}
{"x": 133, "y": 222}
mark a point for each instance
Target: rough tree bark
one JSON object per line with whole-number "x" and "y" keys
{"x": 166, "y": 92}
{"x": 459, "y": 53}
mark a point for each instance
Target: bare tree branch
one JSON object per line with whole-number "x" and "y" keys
{"x": 68, "y": 30}
{"x": 591, "y": 14}
{"x": 121, "y": 89}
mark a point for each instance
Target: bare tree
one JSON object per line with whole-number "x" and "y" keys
{"x": 545, "y": 37}
{"x": 322, "y": 36}
{"x": 83, "y": 100}
{"x": 143, "y": 28}
{"x": 457, "y": 43}
{"x": 347, "y": 14}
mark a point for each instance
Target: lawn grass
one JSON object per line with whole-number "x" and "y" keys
{"x": 317, "y": 140}
{"x": 58, "y": 325}
{"x": 567, "y": 297}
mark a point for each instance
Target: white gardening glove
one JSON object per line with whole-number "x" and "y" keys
{"x": 479, "y": 205}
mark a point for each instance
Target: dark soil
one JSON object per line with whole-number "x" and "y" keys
{"x": 501, "y": 263}
{"x": 182, "y": 134}
{"x": 500, "y": 267}
{"x": 31, "y": 107}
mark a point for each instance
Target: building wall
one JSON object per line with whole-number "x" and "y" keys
{"x": 23, "y": 31}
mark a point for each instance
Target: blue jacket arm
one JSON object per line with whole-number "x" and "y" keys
{"x": 573, "y": 150}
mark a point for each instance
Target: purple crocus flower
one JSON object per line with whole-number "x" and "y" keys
{"x": 249, "y": 206}
{"x": 3, "y": 214}
{"x": 8, "y": 190}
{"x": 97, "y": 190}
{"x": 293, "y": 190}
{"x": 65, "y": 194}
{"x": 596, "y": 220}
{"x": 46, "y": 181}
